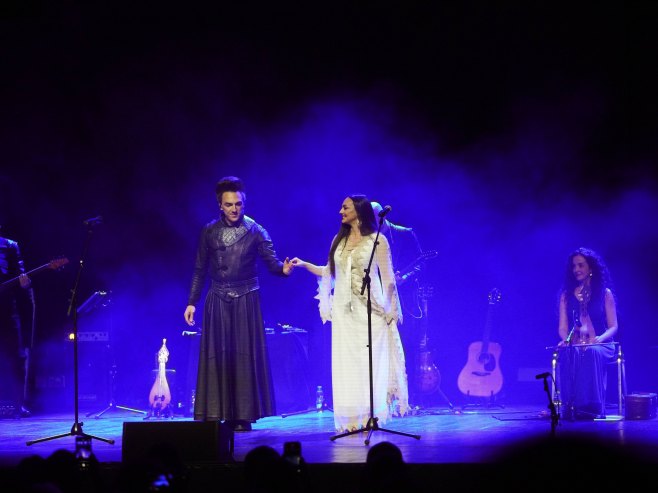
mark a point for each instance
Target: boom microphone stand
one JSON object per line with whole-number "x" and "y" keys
{"x": 372, "y": 425}
{"x": 570, "y": 352}
{"x": 76, "y": 429}
{"x": 551, "y": 405}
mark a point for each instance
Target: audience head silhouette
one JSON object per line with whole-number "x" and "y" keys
{"x": 385, "y": 470}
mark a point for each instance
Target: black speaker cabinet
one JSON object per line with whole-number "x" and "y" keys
{"x": 290, "y": 369}
{"x": 641, "y": 405}
{"x": 193, "y": 441}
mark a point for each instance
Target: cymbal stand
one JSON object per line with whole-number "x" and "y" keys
{"x": 76, "y": 429}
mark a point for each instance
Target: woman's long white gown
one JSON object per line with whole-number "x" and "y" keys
{"x": 342, "y": 304}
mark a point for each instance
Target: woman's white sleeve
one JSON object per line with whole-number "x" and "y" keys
{"x": 325, "y": 296}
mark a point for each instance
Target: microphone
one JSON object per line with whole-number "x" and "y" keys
{"x": 93, "y": 221}
{"x": 385, "y": 211}
{"x": 577, "y": 322}
{"x": 543, "y": 375}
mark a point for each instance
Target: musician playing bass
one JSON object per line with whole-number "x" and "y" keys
{"x": 587, "y": 326}
{"x": 16, "y": 308}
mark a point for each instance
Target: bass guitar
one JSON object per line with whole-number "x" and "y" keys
{"x": 410, "y": 270}
{"x": 53, "y": 264}
{"x": 160, "y": 396}
{"x": 481, "y": 376}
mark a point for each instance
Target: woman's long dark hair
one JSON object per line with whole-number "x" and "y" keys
{"x": 367, "y": 225}
{"x": 599, "y": 281}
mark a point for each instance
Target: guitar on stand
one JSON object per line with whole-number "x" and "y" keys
{"x": 160, "y": 396}
{"x": 428, "y": 377}
{"x": 481, "y": 376}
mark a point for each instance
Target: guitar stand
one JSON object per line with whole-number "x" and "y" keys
{"x": 445, "y": 398}
{"x": 159, "y": 413}
{"x": 418, "y": 410}
{"x": 426, "y": 365}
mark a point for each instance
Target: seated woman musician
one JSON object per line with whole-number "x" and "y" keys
{"x": 587, "y": 326}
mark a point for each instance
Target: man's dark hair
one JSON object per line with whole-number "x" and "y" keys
{"x": 229, "y": 184}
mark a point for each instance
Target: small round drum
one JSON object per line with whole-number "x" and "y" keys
{"x": 641, "y": 405}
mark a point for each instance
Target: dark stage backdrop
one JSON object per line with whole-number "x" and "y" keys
{"x": 506, "y": 135}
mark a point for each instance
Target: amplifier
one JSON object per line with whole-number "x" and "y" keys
{"x": 96, "y": 336}
{"x": 641, "y": 405}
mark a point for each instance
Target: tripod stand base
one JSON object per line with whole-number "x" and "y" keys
{"x": 371, "y": 427}
{"x": 76, "y": 431}
{"x": 114, "y": 406}
{"x": 307, "y": 411}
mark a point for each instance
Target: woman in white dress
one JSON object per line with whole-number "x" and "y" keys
{"x": 340, "y": 283}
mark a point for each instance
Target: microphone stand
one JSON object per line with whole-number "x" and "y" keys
{"x": 372, "y": 425}
{"x": 570, "y": 409}
{"x": 551, "y": 405}
{"x": 76, "y": 429}
{"x": 576, "y": 321}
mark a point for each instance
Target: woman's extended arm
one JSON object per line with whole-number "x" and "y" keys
{"x": 312, "y": 268}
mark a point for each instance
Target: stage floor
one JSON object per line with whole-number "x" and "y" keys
{"x": 470, "y": 435}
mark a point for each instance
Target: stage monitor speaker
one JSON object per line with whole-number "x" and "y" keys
{"x": 193, "y": 441}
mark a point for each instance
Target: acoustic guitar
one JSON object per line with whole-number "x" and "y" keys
{"x": 53, "y": 265}
{"x": 160, "y": 396}
{"x": 481, "y": 376}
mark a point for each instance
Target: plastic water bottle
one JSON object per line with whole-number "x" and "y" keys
{"x": 319, "y": 399}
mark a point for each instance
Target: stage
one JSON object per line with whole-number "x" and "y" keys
{"x": 464, "y": 444}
